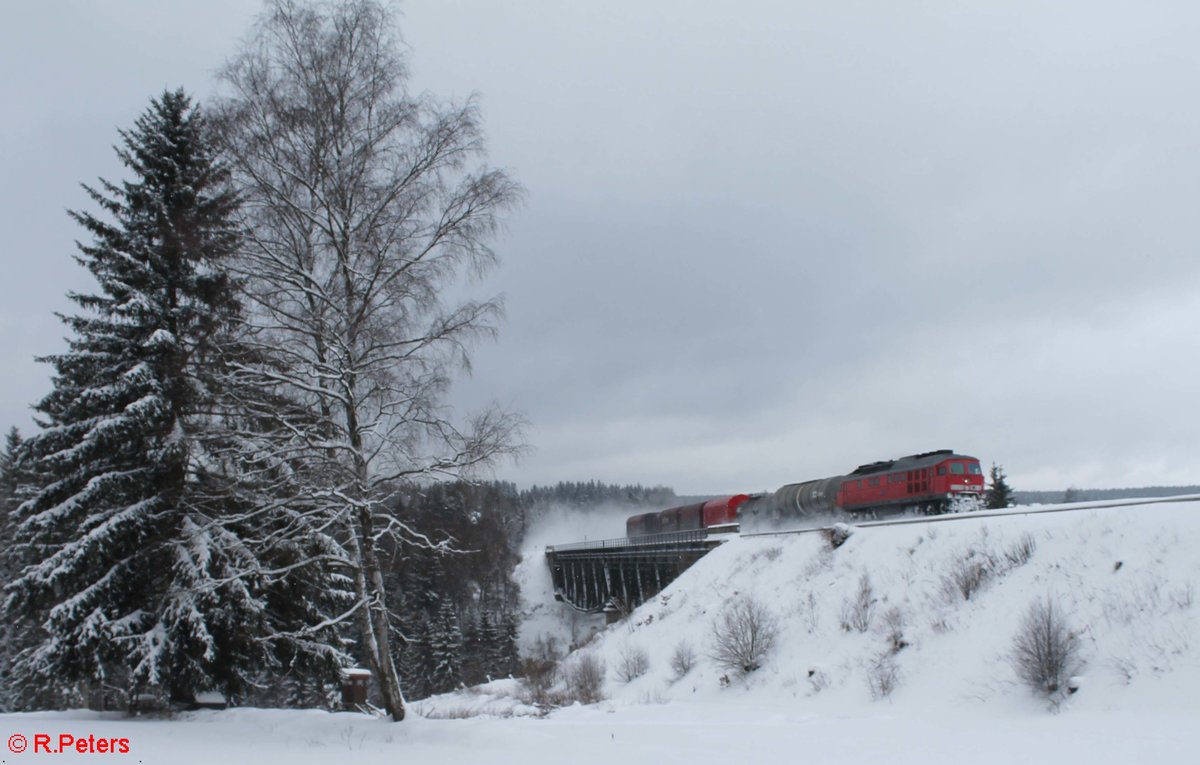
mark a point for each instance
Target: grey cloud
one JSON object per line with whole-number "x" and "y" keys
{"x": 764, "y": 241}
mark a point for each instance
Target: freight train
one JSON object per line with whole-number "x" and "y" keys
{"x": 928, "y": 483}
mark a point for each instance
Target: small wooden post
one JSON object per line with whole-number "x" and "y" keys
{"x": 355, "y": 684}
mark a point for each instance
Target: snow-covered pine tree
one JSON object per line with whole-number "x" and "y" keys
{"x": 492, "y": 644}
{"x": 505, "y": 655}
{"x": 414, "y": 664}
{"x": 445, "y": 650}
{"x": 137, "y": 580}
{"x": 10, "y": 479}
{"x": 474, "y": 653}
{"x": 416, "y": 596}
{"x": 999, "y": 493}
{"x": 14, "y": 633}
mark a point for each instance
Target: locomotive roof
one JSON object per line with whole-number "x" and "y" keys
{"x": 911, "y": 462}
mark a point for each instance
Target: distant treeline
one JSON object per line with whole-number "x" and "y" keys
{"x": 1098, "y": 495}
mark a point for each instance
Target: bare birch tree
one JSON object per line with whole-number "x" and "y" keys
{"x": 365, "y": 208}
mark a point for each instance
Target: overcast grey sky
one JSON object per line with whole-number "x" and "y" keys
{"x": 764, "y": 241}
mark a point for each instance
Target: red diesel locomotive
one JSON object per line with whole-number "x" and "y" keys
{"x": 931, "y": 483}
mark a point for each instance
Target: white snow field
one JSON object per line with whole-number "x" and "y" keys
{"x": 1125, "y": 578}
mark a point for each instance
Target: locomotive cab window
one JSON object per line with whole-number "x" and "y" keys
{"x": 941, "y": 470}
{"x": 974, "y": 469}
{"x": 957, "y": 468}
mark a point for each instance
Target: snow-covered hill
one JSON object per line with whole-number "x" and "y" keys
{"x": 1125, "y": 579}
{"x": 928, "y": 680}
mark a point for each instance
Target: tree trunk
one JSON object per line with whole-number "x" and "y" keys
{"x": 373, "y": 617}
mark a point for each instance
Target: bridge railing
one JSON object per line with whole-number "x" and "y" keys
{"x": 648, "y": 540}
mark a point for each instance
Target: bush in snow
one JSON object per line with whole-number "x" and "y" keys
{"x": 538, "y": 673}
{"x": 968, "y": 574}
{"x": 883, "y": 676}
{"x": 810, "y": 611}
{"x": 1045, "y": 651}
{"x": 632, "y": 662}
{"x": 683, "y": 658}
{"x": 818, "y": 679}
{"x": 585, "y": 679}
{"x": 858, "y": 611}
{"x": 1184, "y": 597}
{"x": 893, "y": 629}
{"x": 462, "y": 711}
{"x": 836, "y": 535}
{"x": 743, "y": 634}
{"x": 1019, "y": 553}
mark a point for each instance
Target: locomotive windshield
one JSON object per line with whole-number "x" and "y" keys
{"x": 961, "y": 468}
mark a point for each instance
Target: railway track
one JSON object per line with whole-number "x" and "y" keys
{"x": 975, "y": 515}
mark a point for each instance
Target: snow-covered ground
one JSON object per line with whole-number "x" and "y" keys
{"x": 1125, "y": 578}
